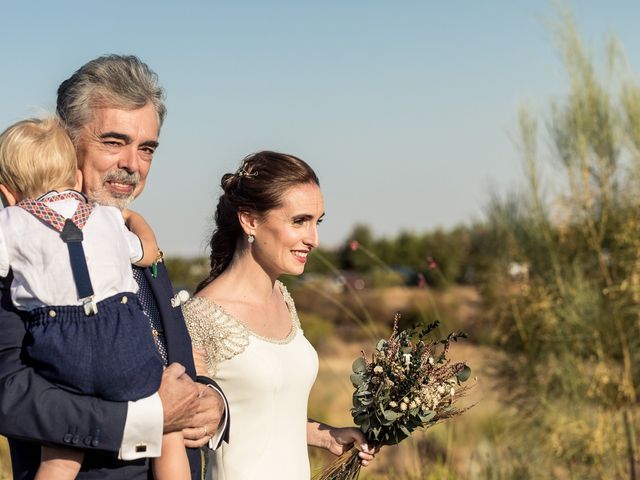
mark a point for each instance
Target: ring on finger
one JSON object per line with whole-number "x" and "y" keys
{"x": 206, "y": 432}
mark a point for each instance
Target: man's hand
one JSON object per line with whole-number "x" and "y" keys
{"x": 179, "y": 397}
{"x": 206, "y": 421}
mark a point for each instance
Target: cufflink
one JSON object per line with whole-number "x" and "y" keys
{"x": 181, "y": 297}
{"x": 141, "y": 448}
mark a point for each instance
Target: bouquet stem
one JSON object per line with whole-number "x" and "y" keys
{"x": 346, "y": 467}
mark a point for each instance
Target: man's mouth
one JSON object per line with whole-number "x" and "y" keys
{"x": 121, "y": 183}
{"x": 120, "y": 187}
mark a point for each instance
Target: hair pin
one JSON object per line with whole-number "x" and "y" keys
{"x": 243, "y": 173}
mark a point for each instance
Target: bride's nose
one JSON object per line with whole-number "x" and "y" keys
{"x": 311, "y": 238}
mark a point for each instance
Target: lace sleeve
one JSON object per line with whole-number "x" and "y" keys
{"x": 213, "y": 330}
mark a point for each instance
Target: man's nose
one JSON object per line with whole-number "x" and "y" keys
{"x": 129, "y": 159}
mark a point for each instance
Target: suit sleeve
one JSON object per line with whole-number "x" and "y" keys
{"x": 33, "y": 409}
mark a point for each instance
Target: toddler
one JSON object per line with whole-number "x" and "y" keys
{"x": 71, "y": 263}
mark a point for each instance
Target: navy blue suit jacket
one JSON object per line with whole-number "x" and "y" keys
{"x": 34, "y": 411}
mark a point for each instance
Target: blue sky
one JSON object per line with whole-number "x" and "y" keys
{"x": 405, "y": 109}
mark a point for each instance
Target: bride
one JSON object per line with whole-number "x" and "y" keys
{"x": 246, "y": 322}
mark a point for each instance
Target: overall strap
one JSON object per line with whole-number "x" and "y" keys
{"x": 71, "y": 233}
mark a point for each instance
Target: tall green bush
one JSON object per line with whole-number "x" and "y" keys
{"x": 571, "y": 325}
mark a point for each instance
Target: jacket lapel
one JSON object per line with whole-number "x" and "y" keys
{"x": 176, "y": 335}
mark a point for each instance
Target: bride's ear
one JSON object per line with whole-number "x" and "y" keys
{"x": 248, "y": 221}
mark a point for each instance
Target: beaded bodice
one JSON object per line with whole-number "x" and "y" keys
{"x": 221, "y": 335}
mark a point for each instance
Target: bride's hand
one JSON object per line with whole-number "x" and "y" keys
{"x": 342, "y": 439}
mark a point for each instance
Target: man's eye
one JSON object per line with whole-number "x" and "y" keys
{"x": 298, "y": 221}
{"x": 149, "y": 150}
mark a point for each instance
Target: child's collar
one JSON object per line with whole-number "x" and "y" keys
{"x": 51, "y": 194}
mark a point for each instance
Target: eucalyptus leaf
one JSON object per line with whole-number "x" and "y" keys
{"x": 357, "y": 379}
{"x": 427, "y": 416}
{"x": 365, "y": 425}
{"x": 464, "y": 374}
{"x": 391, "y": 415}
{"x": 358, "y": 419}
{"x": 359, "y": 365}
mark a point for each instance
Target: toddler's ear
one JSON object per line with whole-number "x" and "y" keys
{"x": 9, "y": 197}
{"x": 78, "y": 185}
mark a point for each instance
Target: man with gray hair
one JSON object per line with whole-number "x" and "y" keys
{"x": 113, "y": 108}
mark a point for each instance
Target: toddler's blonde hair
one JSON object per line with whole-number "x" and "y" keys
{"x": 36, "y": 156}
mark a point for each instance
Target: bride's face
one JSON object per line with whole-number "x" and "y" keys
{"x": 287, "y": 234}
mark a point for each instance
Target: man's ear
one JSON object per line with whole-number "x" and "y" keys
{"x": 9, "y": 196}
{"x": 78, "y": 185}
{"x": 248, "y": 222}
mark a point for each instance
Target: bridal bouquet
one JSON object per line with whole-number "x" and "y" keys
{"x": 409, "y": 384}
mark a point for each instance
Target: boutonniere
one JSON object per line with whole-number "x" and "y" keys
{"x": 179, "y": 298}
{"x": 154, "y": 265}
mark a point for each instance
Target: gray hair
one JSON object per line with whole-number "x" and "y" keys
{"x": 116, "y": 81}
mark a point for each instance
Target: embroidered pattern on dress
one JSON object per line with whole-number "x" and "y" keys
{"x": 211, "y": 329}
{"x": 222, "y": 336}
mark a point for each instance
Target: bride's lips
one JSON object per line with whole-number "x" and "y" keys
{"x": 300, "y": 255}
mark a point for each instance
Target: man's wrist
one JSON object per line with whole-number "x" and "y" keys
{"x": 142, "y": 436}
{"x": 223, "y": 425}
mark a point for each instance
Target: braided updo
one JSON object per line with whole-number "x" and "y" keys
{"x": 257, "y": 187}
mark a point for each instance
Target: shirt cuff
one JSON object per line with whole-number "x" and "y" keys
{"x": 216, "y": 440}
{"x": 142, "y": 435}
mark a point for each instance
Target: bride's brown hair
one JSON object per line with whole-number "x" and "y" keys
{"x": 257, "y": 187}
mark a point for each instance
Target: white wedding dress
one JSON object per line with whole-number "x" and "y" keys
{"x": 267, "y": 383}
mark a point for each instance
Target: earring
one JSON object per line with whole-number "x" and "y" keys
{"x": 251, "y": 238}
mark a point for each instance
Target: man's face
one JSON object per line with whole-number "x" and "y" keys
{"x": 115, "y": 149}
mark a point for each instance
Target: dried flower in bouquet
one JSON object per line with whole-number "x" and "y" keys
{"x": 410, "y": 383}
